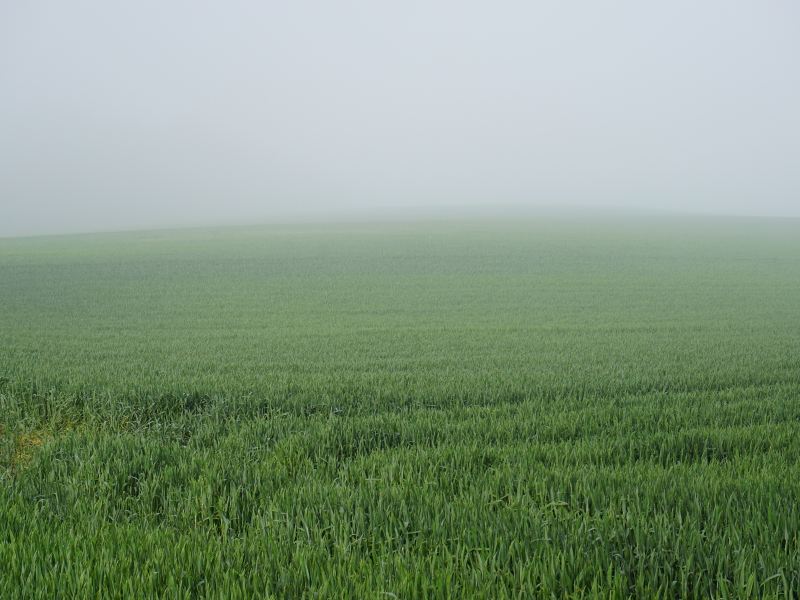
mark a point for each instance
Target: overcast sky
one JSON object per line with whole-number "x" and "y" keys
{"x": 119, "y": 115}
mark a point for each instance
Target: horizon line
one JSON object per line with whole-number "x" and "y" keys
{"x": 414, "y": 214}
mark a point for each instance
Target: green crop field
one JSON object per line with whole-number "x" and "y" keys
{"x": 557, "y": 407}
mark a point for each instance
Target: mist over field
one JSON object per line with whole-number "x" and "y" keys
{"x": 152, "y": 114}
{"x": 415, "y": 300}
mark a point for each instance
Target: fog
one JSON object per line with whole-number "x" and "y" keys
{"x": 150, "y": 114}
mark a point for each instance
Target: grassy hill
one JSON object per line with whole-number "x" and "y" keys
{"x": 561, "y": 406}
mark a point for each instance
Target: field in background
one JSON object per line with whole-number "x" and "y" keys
{"x": 560, "y": 406}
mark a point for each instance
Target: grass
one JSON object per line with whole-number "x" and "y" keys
{"x": 552, "y": 408}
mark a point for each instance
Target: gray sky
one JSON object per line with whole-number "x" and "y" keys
{"x": 117, "y": 115}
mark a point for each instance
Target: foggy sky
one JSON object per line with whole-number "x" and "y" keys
{"x": 119, "y": 115}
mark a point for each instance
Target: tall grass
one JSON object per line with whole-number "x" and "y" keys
{"x": 553, "y": 409}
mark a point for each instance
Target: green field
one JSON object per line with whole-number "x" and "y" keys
{"x": 561, "y": 407}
